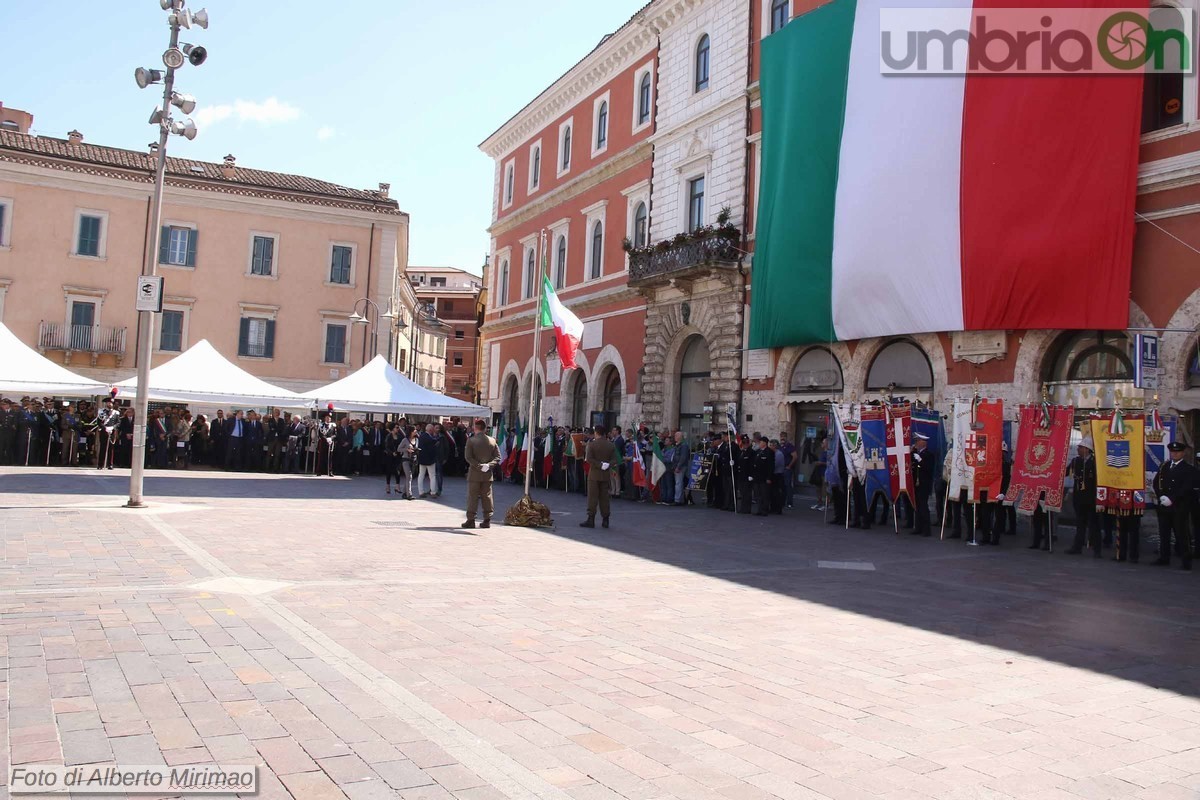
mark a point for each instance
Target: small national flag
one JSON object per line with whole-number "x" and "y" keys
{"x": 523, "y": 455}
{"x": 658, "y": 464}
{"x": 1116, "y": 426}
{"x": 639, "y": 467}
{"x": 731, "y": 421}
{"x": 568, "y": 329}
{"x": 510, "y": 460}
{"x": 548, "y": 453}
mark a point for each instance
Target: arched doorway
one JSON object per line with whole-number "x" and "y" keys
{"x": 900, "y": 368}
{"x": 695, "y": 370}
{"x": 579, "y": 401}
{"x": 815, "y": 380}
{"x": 512, "y": 402}
{"x": 1091, "y": 370}
{"x": 611, "y": 397}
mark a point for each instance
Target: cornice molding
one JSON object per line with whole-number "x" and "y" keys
{"x": 627, "y": 47}
{"x": 575, "y": 187}
{"x": 1169, "y": 173}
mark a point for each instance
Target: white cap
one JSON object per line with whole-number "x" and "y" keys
{"x": 921, "y": 436}
{"x": 1088, "y": 443}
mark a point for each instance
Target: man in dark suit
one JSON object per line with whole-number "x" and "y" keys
{"x": 923, "y": 461}
{"x": 235, "y": 440}
{"x": 256, "y": 438}
{"x": 216, "y": 439}
{"x": 1083, "y": 498}
{"x": 1174, "y": 485}
{"x": 343, "y": 443}
{"x": 763, "y": 473}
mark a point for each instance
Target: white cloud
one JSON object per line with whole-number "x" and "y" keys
{"x": 271, "y": 111}
{"x": 325, "y": 133}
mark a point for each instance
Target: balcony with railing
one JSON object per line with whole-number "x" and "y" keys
{"x": 95, "y": 340}
{"x": 685, "y": 258}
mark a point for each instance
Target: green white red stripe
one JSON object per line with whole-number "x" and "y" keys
{"x": 568, "y": 330}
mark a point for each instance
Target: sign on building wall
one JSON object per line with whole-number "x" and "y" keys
{"x": 1145, "y": 361}
{"x": 593, "y": 334}
{"x": 149, "y": 294}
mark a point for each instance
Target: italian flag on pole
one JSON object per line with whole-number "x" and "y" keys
{"x": 568, "y": 330}
{"x": 961, "y": 201}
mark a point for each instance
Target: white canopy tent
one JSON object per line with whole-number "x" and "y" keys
{"x": 202, "y": 375}
{"x": 379, "y": 388}
{"x": 25, "y": 371}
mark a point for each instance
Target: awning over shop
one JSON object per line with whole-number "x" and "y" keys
{"x": 202, "y": 375}
{"x": 25, "y": 371}
{"x": 379, "y": 388}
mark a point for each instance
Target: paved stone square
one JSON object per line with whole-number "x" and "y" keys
{"x": 362, "y": 646}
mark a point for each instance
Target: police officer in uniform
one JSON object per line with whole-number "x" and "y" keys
{"x": 923, "y": 459}
{"x": 743, "y": 471}
{"x": 1174, "y": 485}
{"x": 8, "y": 432}
{"x": 1083, "y": 498}
{"x": 763, "y": 472}
{"x": 483, "y": 457}
{"x": 600, "y": 455}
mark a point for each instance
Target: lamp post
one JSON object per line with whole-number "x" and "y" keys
{"x": 360, "y": 319}
{"x": 173, "y": 58}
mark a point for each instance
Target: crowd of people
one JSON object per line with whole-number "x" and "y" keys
{"x": 746, "y": 473}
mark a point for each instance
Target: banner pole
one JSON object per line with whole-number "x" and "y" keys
{"x": 945, "y": 513}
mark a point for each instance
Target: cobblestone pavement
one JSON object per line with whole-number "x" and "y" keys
{"x": 365, "y": 647}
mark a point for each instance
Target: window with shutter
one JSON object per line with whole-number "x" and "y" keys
{"x": 339, "y": 269}
{"x": 262, "y": 259}
{"x": 88, "y": 242}
{"x": 170, "y": 337}
{"x": 335, "y": 344}
{"x": 256, "y": 338}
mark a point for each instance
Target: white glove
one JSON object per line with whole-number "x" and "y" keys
{"x": 1000, "y": 498}
{"x": 1165, "y": 501}
{"x": 485, "y": 467}
{"x": 917, "y": 457}
{"x": 604, "y": 466}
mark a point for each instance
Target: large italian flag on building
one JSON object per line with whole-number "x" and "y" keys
{"x": 568, "y": 330}
{"x": 906, "y": 203}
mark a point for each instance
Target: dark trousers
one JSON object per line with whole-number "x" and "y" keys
{"x": 233, "y": 452}
{"x": 858, "y": 497}
{"x": 1041, "y": 530}
{"x": 745, "y": 495}
{"x": 1087, "y": 525}
{"x": 1129, "y": 538}
{"x": 955, "y": 513}
{"x": 922, "y": 527}
{"x": 106, "y": 446}
{"x": 837, "y": 496}
{"x": 778, "y": 493}
{"x": 1175, "y": 520}
{"x": 728, "y": 491}
{"x": 762, "y": 497}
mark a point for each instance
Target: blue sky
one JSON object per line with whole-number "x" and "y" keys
{"x": 354, "y": 92}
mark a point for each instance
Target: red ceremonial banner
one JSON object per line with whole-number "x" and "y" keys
{"x": 984, "y": 449}
{"x": 1043, "y": 444}
{"x": 899, "y": 450}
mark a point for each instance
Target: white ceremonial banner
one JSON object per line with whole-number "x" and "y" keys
{"x": 962, "y": 474}
{"x": 848, "y": 420}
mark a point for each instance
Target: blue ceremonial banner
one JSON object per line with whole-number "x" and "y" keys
{"x": 873, "y": 434}
{"x": 928, "y": 422}
{"x": 1156, "y": 452}
{"x": 833, "y": 478}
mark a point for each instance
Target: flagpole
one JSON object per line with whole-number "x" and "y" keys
{"x": 537, "y": 343}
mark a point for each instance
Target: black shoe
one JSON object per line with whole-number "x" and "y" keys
{"x": 469, "y": 524}
{"x": 604, "y": 522}
{"x": 1072, "y": 552}
{"x": 590, "y": 522}
{"x": 487, "y": 523}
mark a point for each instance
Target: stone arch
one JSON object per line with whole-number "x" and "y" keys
{"x": 1177, "y": 349}
{"x": 790, "y": 356}
{"x": 720, "y": 325}
{"x": 526, "y": 386}
{"x": 855, "y": 377}
{"x": 511, "y": 370}
{"x": 570, "y": 380}
{"x": 608, "y": 356}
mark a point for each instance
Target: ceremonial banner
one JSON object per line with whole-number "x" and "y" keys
{"x": 897, "y": 205}
{"x": 1043, "y": 450}
{"x": 1120, "y": 463}
{"x": 873, "y": 435}
{"x": 846, "y": 420}
{"x": 698, "y": 472}
{"x": 833, "y": 478}
{"x": 899, "y": 450}
{"x": 1160, "y": 432}
{"x": 978, "y": 450}
{"x": 928, "y": 422}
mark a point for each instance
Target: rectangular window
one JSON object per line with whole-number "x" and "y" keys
{"x": 441, "y": 348}
{"x": 335, "y": 344}
{"x": 458, "y": 335}
{"x": 695, "y": 203}
{"x": 402, "y": 361}
{"x": 339, "y": 268}
{"x": 88, "y": 242}
{"x": 262, "y": 258}
{"x": 437, "y": 281}
{"x": 447, "y": 306}
{"x": 458, "y": 359}
{"x": 3, "y": 225}
{"x": 256, "y": 338}
{"x": 170, "y": 337}
{"x": 177, "y": 246}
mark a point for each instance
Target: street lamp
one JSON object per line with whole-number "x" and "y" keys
{"x": 359, "y": 319}
{"x": 173, "y": 58}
